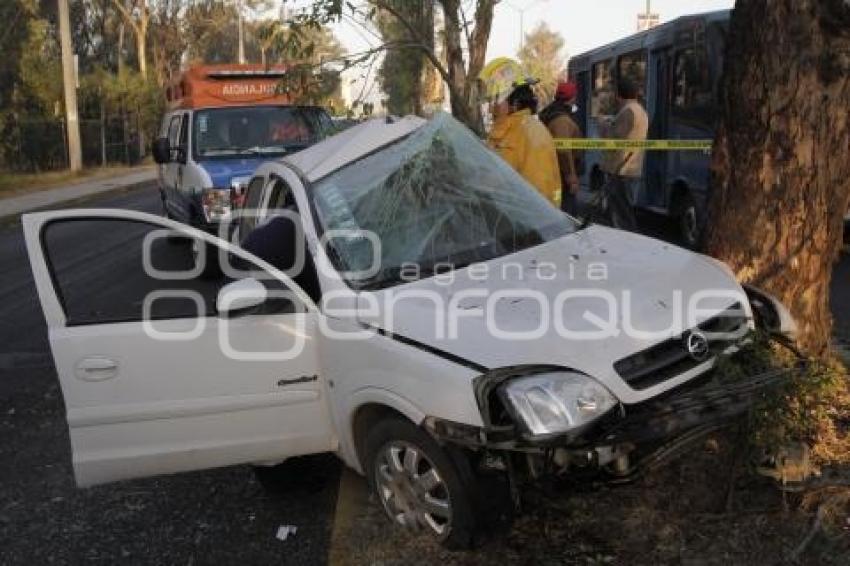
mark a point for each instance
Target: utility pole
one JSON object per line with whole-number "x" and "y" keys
{"x": 647, "y": 20}
{"x": 521, "y": 12}
{"x": 241, "y": 33}
{"x": 75, "y": 156}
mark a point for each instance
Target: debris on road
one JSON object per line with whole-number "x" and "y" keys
{"x": 284, "y": 531}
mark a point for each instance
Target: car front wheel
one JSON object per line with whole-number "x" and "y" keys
{"x": 420, "y": 485}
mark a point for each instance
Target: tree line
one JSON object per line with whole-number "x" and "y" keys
{"x": 128, "y": 50}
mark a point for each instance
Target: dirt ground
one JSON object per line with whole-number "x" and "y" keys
{"x": 683, "y": 514}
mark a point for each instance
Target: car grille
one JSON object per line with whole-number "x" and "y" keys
{"x": 670, "y": 358}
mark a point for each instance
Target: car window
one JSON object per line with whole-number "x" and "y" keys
{"x": 184, "y": 133}
{"x": 111, "y": 270}
{"x": 280, "y": 196}
{"x": 326, "y": 122}
{"x": 248, "y": 219}
{"x": 252, "y": 131}
{"x": 174, "y": 131}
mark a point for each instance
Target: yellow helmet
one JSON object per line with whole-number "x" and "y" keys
{"x": 501, "y": 76}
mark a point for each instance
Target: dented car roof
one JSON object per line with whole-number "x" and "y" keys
{"x": 352, "y": 144}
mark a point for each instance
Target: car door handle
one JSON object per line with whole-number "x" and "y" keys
{"x": 96, "y": 369}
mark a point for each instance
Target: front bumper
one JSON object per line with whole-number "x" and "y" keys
{"x": 701, "y": 404}
{"x": 707, "y": 402}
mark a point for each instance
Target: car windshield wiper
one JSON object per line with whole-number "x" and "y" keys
{"x": 218, "y": 150}
{"x": 379, "y": 280}
{"x": 262, "y": 150}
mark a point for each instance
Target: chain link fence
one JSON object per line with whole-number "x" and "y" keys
{"x": 35, "y": 145}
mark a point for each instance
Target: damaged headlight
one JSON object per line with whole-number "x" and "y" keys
{"x": 553, "y": 403}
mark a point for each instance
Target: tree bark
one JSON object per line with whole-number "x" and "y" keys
{"x": 141, "y": 45}
{"x": 463, "y": 77}
{"x": 781, "y": 165}
{"x": 139, "y": 25}
{"x": 454, "y": 59}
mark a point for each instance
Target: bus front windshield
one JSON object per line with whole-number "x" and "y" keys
{"x": 437, "y": 199}
{"x": 253, "y": 130}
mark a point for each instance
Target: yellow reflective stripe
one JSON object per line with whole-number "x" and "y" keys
{"x": 668, "y": 145}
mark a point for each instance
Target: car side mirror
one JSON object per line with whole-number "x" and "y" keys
{"x": 239, "y": 297}
{"x": 161, "y": 150}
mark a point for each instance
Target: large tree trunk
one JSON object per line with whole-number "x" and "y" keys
{"x": 781, "y": 161}
{"x": 463, "y": 77}
{"x": 454, "y": 61}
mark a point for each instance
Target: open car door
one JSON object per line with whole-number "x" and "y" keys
{"x": 155, "y": 379}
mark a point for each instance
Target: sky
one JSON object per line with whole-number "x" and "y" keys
{"x": 584, "y": 25}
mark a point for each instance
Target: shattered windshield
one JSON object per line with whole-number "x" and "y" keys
{"x": 434, "y": 201}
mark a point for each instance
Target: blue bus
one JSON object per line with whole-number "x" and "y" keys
{"x": 677, "y": 67}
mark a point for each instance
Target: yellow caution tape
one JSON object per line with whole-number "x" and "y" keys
{"x": 665, "y": 145}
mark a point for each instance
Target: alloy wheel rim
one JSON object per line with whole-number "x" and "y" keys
{"x": 411, "y": 489}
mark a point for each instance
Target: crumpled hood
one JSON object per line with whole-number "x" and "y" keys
{"x": 608, "y": 294}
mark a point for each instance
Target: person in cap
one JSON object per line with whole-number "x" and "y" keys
{"x": 523, "y": 141}
{"x": 559, "y": 118}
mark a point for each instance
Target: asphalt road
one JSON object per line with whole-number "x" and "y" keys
{"x": 215, "y": 517}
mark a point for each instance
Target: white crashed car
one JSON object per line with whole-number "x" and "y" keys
{"x": 441, "y": 328}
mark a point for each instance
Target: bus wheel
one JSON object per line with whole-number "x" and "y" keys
{"x": 687, "y": 217}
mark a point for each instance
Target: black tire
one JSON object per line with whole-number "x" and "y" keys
{"x": 688, "y": 220}
{"x": 461, "y": 529}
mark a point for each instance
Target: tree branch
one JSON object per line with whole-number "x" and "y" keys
{"x": 465, "y": 24}
{"x": 127, "y": 15}
{"x": 480, "y": 35}
{"x": 421, "y": 44}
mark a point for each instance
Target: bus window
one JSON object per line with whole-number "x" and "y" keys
{"x": 603, "y": 96}
{"x": 692, "y": 94}
{"x": 632, "y": 66}
{"x": 583, "y": 81}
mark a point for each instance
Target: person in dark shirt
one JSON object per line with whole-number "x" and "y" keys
{"x": 277, "y": 242}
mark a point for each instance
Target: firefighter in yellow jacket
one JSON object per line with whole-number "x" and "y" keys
{"x": 523, "y": 141}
